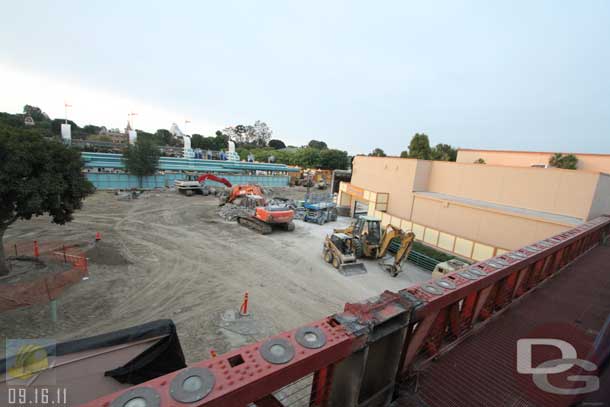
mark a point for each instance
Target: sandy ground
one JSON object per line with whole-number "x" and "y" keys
{"x": 176, "y": 258}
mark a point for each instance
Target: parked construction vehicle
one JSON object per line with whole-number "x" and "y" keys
{"x": 339, "y": 251}
{"x": 370, "y": 242}
{"x": 238, "y": 191}
{"x": 256, "y": 213}
{"x": 446, "y": 267}
{"x": 192, "y": 185}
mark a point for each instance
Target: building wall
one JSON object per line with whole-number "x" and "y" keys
{"x": 467, "y": 230}
{"x": 492, "y": 228}
{"x": 564, "y": 192}
{"x": 601, "y": 201}
{"x": 389, "y": 174}
{"x": 587, "y": 162}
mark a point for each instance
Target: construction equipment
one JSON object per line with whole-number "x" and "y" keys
{"x": 447, "y": 267}
{"x": 319, "y": 208}
{"x": 393, "y": 263}
{"x": 339, "y": 251}
{"x": 192, "y": 185}
{"x": 261, "y": 216}
{"x": 239, "y": 190}
{"x": 369, "y": 241}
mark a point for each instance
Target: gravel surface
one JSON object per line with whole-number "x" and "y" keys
{"x": 178, "y": 259}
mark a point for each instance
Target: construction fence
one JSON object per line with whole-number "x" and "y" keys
{"x": 48, "y": 286}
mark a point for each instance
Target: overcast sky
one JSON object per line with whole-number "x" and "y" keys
{"x": 487, "y": 74}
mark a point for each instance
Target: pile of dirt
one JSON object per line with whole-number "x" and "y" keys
{"x": 230, "y": 212}
{"x": 106, "y": 254}
{"x": 25, "y": 268}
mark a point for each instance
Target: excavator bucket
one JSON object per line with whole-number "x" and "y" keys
{"x": 352, "y": 269}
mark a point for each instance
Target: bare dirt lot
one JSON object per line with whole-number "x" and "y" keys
{"x": 169, "y": 256}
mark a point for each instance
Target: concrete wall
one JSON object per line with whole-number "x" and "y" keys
{"x": 587, "y": 162}
{"x": 564, "y": 192}
{"x": 388, "y": 174}
{"x": 491, "y": 228}
{"x": 469, "y": 230}
{"x": 601, "y": 201}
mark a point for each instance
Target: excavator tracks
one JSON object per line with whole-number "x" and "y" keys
{"x": 256, "y": 225}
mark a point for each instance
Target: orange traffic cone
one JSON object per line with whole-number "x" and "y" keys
{"x": 243, "y": 310}
{"x": 98, "y": 236}
{"x": 213, "y": 353}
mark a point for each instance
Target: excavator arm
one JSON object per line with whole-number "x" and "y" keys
{"x": 390, "y": 233}
{"x": 212, "y": 177}
{"x": 406, "y": 243}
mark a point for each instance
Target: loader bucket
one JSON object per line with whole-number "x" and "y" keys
{"x": 352, "y": 269}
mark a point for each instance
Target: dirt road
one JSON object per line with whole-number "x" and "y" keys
{"x": 174, "y": 257}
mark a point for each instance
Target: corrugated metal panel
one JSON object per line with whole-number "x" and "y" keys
{"x": 125, "y": 181}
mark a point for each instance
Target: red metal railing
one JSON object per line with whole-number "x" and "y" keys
{"x": 362, "y": 352}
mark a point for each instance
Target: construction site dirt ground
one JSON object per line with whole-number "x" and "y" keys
{"x": 165, "y": 255}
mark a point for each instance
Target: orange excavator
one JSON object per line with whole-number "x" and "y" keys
{"x": 258, "y": 214}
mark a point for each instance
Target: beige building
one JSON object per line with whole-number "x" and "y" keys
{"x": 473, "y": 210}
{"x": 586, "y": 162}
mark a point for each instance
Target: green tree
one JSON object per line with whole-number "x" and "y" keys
{"x": 320, "y": 145}
{"x": 142, "y": 158}
{"x": 568, "y": 161}
{"x": 307, "y": 157}
{"x": 276, "y": 144}
{"x": 377, "y": 153}
{"x": 419, "y": 147}
{"x": 404, "y": 154}
{"x": 164, "y": 137}
{"x": 444, "y": 152}
{"x": 37, "y": 114}
{"x": 91, "y": 129}
{"x": 37, "y": 176}
{"x": 333, "y": 159}
{"x": 479, "y": 161}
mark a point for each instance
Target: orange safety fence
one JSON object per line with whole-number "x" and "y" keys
{"x": 47, "y": 287}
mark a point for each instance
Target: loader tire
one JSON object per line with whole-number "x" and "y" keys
{"x": 336, "y": 262}
{"x": 357, "y": 248}
{"x": 328, "y": 256}
{"x": 189, "y": 192}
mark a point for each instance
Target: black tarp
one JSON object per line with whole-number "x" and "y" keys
{"x": 165, "y": 356}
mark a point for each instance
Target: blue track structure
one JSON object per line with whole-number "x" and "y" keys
{"x": 106, "y": 160}
{"x": 237, "y": 172}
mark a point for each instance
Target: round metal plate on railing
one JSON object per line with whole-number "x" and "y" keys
{"x": 468, "y": 275}
{"x": 310, "y": 337}
{"x": 532, "y": 249}
{"x": 192, "y": 384}
{"x": 430, "y": 289}
{"x": 448, "y": 284}
{"x": 544, "y": 243}
{"x": 476, "y": 272}
{"x": 277, "y": 351}
{"x": 494, "y": 264}
{"x": 138, "y": 397}
{"x": 516, "y": 255}
{"x": 502, "y": 262}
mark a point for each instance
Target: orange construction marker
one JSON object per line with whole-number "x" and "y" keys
{"x": 213, "y": 353}
{"x": 98, "y": 236}
{"x": 244, "y": 306}
{"x": 36, "y": 250}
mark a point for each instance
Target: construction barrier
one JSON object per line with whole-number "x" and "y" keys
{"x": 48, "y": 287}
{"x": 355, "y": 358}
